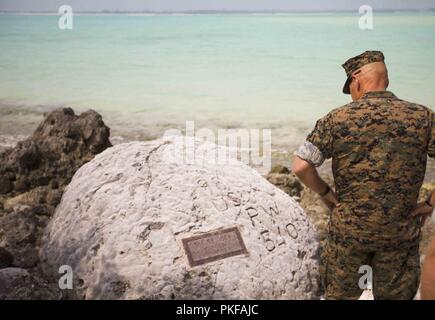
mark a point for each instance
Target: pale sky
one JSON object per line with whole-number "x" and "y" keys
{"x": 186, "y": 5}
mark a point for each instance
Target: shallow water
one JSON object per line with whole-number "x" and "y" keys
{"x": 147, "y": 74}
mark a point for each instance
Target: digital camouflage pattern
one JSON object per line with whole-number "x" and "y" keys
{"x": 379, "y": 146}
{"x": 355, "y": 63}
{"x": 396, "y": 273}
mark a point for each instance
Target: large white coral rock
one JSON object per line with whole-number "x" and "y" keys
{"x": 122, "y": 219}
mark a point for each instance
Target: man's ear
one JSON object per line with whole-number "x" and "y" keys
{"x": 355, "y": 75}
{"x": 355, "y": 79}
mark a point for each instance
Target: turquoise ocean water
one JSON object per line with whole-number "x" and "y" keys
{"x": 147, "y": 73}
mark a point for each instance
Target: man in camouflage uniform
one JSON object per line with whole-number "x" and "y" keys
{"x": 379, "y": 146}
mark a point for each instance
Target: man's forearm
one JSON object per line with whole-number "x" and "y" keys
{"x": 309, "y": 176}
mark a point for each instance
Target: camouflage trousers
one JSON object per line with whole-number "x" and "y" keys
{"x": 396, "y": 273}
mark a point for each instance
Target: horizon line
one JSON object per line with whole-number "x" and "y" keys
{"x": 218, "y": 11}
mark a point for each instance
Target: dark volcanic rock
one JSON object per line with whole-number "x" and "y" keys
{"x": 20, "y": 284}
{"x": 61, "y": 144}
{"x": 19, "y": 232}
{"x": 280, "y": 169}
{"x": 6, "y": 258}
{"x": 5, "y": 184}
{"x": 282, "y": 178}
{"x": 34, "y": 174}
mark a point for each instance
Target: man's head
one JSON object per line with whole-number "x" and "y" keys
{"x": 366, "y": 72}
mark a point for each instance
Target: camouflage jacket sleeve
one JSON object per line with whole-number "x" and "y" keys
{"x": 431, "y": 146}
{"x": 318, "y": 145}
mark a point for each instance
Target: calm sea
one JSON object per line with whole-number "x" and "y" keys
{"x": 148, "y": 73}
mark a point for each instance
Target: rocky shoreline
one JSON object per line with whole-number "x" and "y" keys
{"x": 33, "y": 176}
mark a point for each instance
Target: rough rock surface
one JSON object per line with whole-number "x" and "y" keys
{"x": 122, "y": 217}
{"x": 280, "y": 169}
{"x": 19, "y": 284}
{"x": 34, "y": 174}
{"x": 6, "y": 258}
{"x": 281, "y": 177}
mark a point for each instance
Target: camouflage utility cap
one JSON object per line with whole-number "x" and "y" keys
{"x": 355, "y": 63}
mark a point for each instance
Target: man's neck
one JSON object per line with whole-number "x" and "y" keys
{"x": 374, "y": 88}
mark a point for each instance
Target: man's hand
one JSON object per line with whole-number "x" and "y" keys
{"x": 307, "y": 173}
{"x": 423, "y": 210}
{"x": 330, "y": 200}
